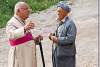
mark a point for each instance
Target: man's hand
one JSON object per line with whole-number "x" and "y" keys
{"x": 38, "y": 38}
{"x": 53, "y": 38}
{"x": 51, "y": 34}
{"x": 29, "y": 26}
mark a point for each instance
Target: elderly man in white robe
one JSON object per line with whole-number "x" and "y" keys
{"x": 22, "y": 44}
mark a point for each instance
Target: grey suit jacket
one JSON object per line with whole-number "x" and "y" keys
{"x": 66, "y": 34}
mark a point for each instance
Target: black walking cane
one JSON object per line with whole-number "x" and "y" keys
{"x": 42, "y": 56}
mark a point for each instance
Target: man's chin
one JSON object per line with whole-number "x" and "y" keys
{"x": 25, "y": 18}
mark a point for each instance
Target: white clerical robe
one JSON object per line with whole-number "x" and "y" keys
{"x": 22, "y": 55}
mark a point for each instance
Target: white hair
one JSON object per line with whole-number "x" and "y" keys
{"x": 18, "y": 6}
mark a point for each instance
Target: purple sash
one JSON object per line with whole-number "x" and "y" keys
{"x": 27, "y": 37}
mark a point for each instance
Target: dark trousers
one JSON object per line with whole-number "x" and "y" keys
{"x": 64, "y": 61}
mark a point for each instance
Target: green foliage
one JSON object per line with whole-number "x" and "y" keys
{"x": 6, "y": 11}
{"x": 38, "y": 5}
{"x": 7, "y": 6}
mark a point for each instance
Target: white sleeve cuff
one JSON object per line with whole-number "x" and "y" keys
{"x": 18, "y": 32}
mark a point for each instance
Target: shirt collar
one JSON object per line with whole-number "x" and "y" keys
{"x": 65, "y": 19}
{"x": 19, "y": 18}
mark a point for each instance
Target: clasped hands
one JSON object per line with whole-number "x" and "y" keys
{"x": 53, "y": 38}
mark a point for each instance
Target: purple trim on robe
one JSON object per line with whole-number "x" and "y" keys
{"x": 27, "y": 37}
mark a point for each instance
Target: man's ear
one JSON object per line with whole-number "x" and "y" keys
{"x": 18, "y": 10}
{"x": 67, "y": 13}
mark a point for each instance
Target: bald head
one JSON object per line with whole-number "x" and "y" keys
{"x": 22, "y": 10}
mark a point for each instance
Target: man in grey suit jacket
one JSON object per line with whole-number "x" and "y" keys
{"x": 64, "y": 39}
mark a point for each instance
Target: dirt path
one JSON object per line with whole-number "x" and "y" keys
{"x": 86, "y": 17}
